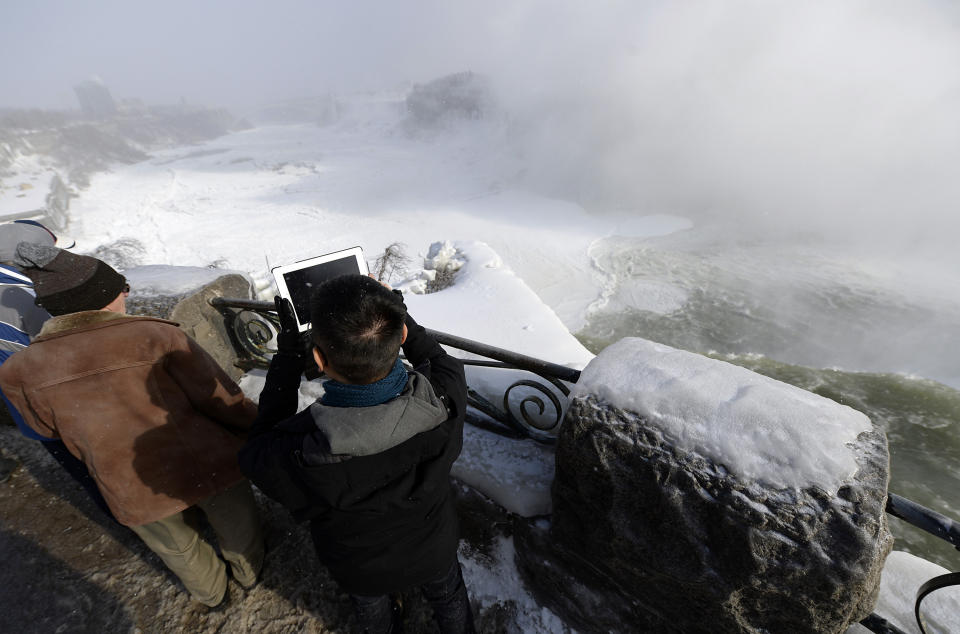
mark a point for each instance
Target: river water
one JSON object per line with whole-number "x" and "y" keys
{"x": 850, "y": 327}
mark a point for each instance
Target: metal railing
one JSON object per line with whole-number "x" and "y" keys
{"x": 925, "y": 519}
{"x": 530, "y": 407}
{"x": 935, "y": 524}
{"x": 253, "y": 324}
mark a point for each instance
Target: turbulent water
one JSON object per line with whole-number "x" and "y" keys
{"x": 798, "y": 315}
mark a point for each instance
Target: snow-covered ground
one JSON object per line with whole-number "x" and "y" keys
{"x": 26, "y": 193}
{"x": 271, "y": 196}
{"x": 903, "y": 574}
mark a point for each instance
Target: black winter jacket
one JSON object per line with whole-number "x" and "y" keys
{"x": 384, "y": 521}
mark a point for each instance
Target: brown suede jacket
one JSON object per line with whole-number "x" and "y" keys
{"x": 152, "y": 415}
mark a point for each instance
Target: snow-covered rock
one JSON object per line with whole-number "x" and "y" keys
{"x": 441, "y": 263}
{"x": 442, "y": 256}
{"x": 712, "y": 499}
{"x": 182, "y": 294}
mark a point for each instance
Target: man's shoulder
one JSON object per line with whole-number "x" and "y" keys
{"x": 90, "y": 320}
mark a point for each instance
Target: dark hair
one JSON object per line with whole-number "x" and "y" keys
{"x": 357, "y": 324}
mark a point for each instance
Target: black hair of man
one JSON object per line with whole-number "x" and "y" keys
{"x": 357, "y": 324}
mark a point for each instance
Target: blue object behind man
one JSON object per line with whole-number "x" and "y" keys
{"x": 21, "y": 319}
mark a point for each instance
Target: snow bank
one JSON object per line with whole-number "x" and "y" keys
{"x": 491, "y": 304}
{"x": 494, "y": 579}
{"x": 516, "y": 474}
{"x": 25, "y": 187}
{"x": 758, "y": 428}
{"x": 160, "y": 279}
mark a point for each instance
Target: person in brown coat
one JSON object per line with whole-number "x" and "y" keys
{"x": 156, "y": 421}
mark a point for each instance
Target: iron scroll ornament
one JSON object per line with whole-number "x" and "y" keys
{"x": 515, "y": 419}
{"x": 254, "y": 331}
{"x": 252, "y": 326}
{"x": 523, "y": 425}
{"x": 538, "y": 402}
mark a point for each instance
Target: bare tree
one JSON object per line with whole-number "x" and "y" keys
{"x": 391, "y": 263}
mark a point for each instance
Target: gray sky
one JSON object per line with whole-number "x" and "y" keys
{"x": 230, "y": 52}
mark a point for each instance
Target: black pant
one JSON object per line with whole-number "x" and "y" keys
{"x": 447, "y": 596}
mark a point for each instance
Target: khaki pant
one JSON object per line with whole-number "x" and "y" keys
{"x": 235, "y": 519}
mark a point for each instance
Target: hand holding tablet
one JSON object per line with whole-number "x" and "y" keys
{"x": 296, "y": 281}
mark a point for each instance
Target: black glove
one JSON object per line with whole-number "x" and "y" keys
{"x": 289, "y": 341}
{"x": 399, "y": 294}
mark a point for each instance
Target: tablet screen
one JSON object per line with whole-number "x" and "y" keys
{"x": 301, "y": 282}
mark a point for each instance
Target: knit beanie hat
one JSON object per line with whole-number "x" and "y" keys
{"x": 67, "y": 282}
{"x": 13, "y": 233}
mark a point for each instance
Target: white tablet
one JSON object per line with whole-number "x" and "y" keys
{"x": 296, "y": 281}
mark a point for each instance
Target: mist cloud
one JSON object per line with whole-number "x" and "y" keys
{"x": 835, "y": 115}
{"x": 227, "y": 52}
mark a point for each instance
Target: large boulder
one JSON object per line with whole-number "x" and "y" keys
{"x": 182, "y": 294}
{"x": 696, "y": 496}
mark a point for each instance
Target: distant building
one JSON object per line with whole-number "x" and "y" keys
{"x": 95, "y": 100}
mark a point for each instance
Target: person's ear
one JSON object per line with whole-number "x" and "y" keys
{"x": 404, "y": 336}
{"x": 318, "y": 357}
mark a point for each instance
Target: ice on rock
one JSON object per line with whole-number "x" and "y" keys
{"x": 756, "y": 427}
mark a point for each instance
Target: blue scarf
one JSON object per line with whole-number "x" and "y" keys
{"x": 389, "y": 387}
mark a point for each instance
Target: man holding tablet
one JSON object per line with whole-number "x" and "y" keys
{"x": 369, "y": 463}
